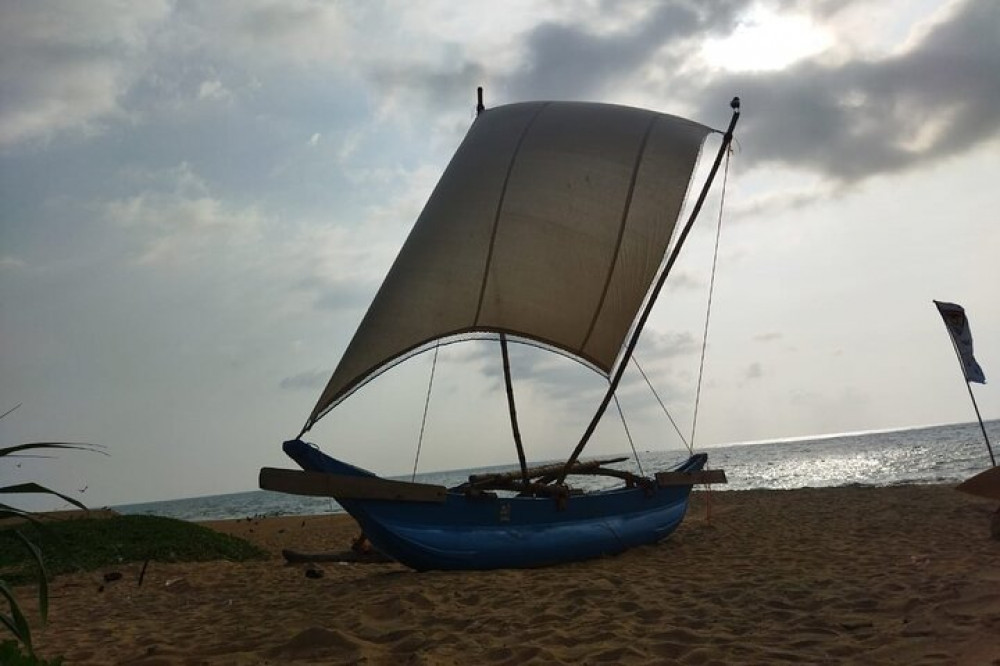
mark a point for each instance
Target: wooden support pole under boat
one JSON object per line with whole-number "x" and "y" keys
{"x": 340, "y": 486}
{"x": 510, "y": 405}
{"x": 727, "y": 139}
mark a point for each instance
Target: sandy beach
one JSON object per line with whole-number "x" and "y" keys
{"x": 902, "y": 575}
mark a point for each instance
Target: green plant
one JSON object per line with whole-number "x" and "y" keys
{"x": 88, "y": 544}
{"x": 14, "y": 620}
{"x": 12, "y": 655}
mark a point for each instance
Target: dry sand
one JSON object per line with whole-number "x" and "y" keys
{"x": 904, "y": 575}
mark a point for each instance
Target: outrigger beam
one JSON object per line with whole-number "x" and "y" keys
{"x": 708, "y": 476}
{"x": 341, "y": 486}
{"x": 540, "y": 470}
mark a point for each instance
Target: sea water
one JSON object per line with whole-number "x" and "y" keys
{"x": 938, "y": 454}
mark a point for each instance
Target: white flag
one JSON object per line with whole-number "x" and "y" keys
{"x": 958, "y": 328}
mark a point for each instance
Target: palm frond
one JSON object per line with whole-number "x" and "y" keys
{"x": 32, "y": 487}
{"x": 82, "y": 446}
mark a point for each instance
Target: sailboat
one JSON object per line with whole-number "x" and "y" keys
{"x": 551, "y": 225}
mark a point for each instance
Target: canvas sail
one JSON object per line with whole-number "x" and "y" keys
{"x": 550, "y": 223}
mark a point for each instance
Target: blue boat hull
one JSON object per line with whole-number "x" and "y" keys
{"x": 486, "y": 532}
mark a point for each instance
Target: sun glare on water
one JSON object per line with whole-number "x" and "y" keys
{"x": 765, "y": 40}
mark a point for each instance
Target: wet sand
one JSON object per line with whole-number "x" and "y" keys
{"x": 903, "y": 575}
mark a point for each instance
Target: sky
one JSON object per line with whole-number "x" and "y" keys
{"x": 199, "y": 200}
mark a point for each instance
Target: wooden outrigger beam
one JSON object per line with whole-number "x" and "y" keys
{"x": 586, "y": 467}
{"x": 706, "y": 476}
{"x": 340, "y": 486}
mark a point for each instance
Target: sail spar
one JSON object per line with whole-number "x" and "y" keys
{"x": 550, "y": 224}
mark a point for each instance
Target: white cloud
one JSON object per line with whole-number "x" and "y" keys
{"x": 213, "y": 90}
{"x": 66, "y": 65}
{"x": 181, "y": 221}
{"x": 11, "y": 263}
{"x": 766, "y": 40}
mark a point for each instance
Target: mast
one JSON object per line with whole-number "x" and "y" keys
{"x": 727, "y": 139}
{"x": 512, "y": 408}
{"x": 508, "y": 383}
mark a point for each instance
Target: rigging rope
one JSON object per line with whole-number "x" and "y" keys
{"x": 635, "y": 454}
{"x": 656, "y": 395}
{"x": 423, "y": 421}
{"x": 711, "y": 291}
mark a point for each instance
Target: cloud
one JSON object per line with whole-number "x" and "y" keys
{"x": 344, "y": 294}
{"x": 561, "y": 380}
{"x": 11, "y": 263}
{"x": 663, "y": 346}
{"x": 863, "y": 116}
{"x": 314, "y": 380}
{"x": 583, "y": 59}
{"x": 768, "y": 337}
{"x": 753, "y": 371}
{"x": 180, "y": 220}
{"x": 213, "y": 90}
{"x": 684, "y": 280}
{"x": 781, "y": 199}
{"x": 66, "y": 65}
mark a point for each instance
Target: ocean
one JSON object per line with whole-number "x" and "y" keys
{"x": 936, "y": 454}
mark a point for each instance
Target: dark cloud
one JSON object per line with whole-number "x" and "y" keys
{"x": 579, "y": 61}
{"x": 845, "y": 120}
{"x": 422, "y": 86}
{"x": 573, "y": 59}
{"x": 853, "y": 120}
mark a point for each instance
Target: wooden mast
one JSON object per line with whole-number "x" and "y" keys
{"x": 511, "y": 407}
{"x": 508, "y": 384}
{"x": 727, "y": 139}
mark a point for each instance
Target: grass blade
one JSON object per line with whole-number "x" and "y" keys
{"x": 83, "y": 446}
{"x": 20, "y": 624}
{"x": 43, "y": 578}
{"x": 35, "y": 488}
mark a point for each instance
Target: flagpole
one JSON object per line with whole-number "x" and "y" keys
{"x": 972, "y": 396}
{"x": 981, "y": 426}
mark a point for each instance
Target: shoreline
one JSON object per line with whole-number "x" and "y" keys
{"x": 866, "y": 575}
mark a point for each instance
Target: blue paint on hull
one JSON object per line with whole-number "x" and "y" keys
{"x": 508, "y": 532}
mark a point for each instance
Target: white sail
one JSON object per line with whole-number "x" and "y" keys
{"x": 550, "y": 223}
